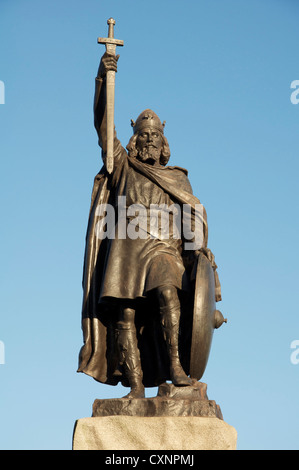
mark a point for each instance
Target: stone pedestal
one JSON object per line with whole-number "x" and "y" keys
{"x": 160, "y": 433}
{"x": 178, "y": 418}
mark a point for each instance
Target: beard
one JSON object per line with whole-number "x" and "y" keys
{"x": 149, "y": 154}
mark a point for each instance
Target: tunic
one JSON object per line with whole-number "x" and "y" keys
{"x": 135, "y": 266}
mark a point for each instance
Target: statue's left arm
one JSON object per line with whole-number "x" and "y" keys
{"x": 203, "y": 226}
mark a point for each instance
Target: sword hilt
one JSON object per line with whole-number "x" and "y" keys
{"x": 110, "y": 41}
{"x": 111, "y": 24}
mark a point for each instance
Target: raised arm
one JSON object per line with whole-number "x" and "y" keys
{"x": 108, "y": 62}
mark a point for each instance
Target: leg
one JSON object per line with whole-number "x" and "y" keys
{"x": 129, "y": 352}
{"x": 170, "y": 310}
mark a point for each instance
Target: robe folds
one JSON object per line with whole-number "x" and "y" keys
{"x": 98, "y": 357}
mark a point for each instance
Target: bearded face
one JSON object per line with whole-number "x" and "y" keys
{"x": 149, "y": 146}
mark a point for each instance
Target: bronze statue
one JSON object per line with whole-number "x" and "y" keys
{"x": 140, "y": 292}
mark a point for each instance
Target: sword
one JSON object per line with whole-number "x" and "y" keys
{"x": 111, "y": 44}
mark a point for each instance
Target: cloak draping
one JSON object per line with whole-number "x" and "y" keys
{"x": 98, "y": 356}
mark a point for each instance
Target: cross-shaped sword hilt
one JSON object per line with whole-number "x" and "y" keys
{"x": 110, "y": 42}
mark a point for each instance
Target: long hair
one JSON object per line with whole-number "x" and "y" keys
{"x": 165, "y": 152}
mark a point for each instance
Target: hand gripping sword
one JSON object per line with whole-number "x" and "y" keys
{"x": 111, "y": 44}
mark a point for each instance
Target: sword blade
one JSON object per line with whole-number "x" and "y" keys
{"x": 110, "y": 97}
{"x": 110, "y": 89}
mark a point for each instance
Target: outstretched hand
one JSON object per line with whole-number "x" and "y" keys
{"x": 108, "y": 62}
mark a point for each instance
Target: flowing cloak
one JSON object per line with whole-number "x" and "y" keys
{"x": 98, "y": 356}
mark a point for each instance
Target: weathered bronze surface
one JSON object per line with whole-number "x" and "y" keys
{"x": 191, "y": 400}
{"x": 148, "y": 312}
{"x": 205, "y": 317}
{"x": 111, "y": 44}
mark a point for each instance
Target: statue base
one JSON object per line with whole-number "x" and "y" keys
{"x": 160, "y": 433}
{"x": 179, "y": 418}
{"x": 170, "y": 401}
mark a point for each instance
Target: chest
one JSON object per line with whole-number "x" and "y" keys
{"x": 140, "y": 190}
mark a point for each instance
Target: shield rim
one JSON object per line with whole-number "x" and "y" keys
{"x": 203, "y": 317}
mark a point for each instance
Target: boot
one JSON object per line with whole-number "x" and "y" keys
{"x": 130, "y": 358}
{"x": 170, "y": 324}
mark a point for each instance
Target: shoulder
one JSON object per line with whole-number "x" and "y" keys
{"x": 178, "y": 168}
{"x": 181, "y": 176}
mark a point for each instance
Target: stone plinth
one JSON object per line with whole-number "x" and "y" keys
{"x": 170, "y": 401}
{"x": 155, "y": 407}
{"x": 153, "y": 433}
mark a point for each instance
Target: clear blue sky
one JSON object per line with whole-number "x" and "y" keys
{"x": 219, "y": 72}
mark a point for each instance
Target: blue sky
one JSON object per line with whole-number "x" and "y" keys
{"x": 220, "y": 73}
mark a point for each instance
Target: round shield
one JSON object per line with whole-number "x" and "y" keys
{"x": 203, "y": 317}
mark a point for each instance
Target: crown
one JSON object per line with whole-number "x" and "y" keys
{"x": 147, "y": 119}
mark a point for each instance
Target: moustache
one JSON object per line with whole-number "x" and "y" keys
{"x": 150, "y": 146}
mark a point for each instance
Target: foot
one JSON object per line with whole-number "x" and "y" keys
{"x": 136, "y": 392}
{"x": 179, "y": 378}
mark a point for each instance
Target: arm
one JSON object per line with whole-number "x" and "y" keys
{"x": 108, "y": 62}
{"x": 190, "y": 256}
